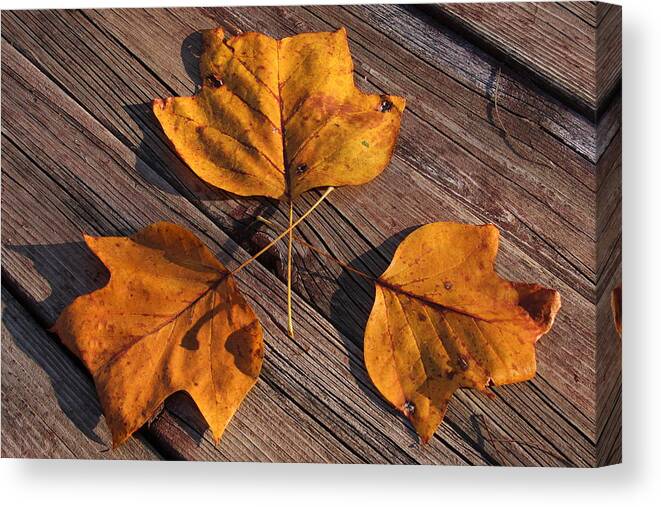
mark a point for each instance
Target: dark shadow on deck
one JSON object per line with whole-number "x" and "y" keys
{"x": 68, "y": 268}
{"x": 350, "y": 307}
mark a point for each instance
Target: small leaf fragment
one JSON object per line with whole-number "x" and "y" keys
{"x": 443, "y": 319}
{"x": 170, "y": 319}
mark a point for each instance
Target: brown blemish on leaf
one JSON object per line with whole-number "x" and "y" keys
{"x": 408, "y": 408}
{"x": 213, "y": 81}
{"x": 385, "y": 105}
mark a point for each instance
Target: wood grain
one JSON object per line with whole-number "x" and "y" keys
{"x": 533, "y": 168}
{"x": 572, "y": 47}
{"x": 609, "y": 343}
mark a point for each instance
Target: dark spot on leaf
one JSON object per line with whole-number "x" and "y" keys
{"x": 421, "y": 317}
{"x": 365, "y": 144}
{"x": 213, "y": 81}
{"x": 385, "y": 105}
{"x": 244, "y": 345}
{"x": 447, "y": 285}
{"x": 301, "y": 168}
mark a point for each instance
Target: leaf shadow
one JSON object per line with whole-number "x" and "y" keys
{"x": 158, "y": 156}
{"x": 191, "y": 49}
{"x": 75, "y": 271}
{"x": 71, "y": 270}
{"x": 183, "y": 407}
{"x": 350, "y": 307}
{"x": 82, "y": 408}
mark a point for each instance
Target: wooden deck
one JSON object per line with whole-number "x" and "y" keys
{"x": 573, "y": 47}
{"x": 82, "y": 153}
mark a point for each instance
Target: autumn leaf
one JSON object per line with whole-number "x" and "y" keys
{"x": 170, "y": 319}
{"x": 278, "y": 117}
{"x": 443, "y": 319}
{"x": 616, "y": 307}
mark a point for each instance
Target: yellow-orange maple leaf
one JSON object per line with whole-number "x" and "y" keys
{"x": 443, "y": 319}
{"x": 278, "y": 117}
{"x": 170, "y": 319}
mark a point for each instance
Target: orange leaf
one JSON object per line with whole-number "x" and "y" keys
{"x": 279, "y": 117}
{"x": 443, "y": 319}
{"x": 170, "y": 319}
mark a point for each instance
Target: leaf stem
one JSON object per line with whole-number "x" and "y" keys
{"x": 324, "y": 254}
{"x": 284, "y": 233}
{"x": 290, "y": 324}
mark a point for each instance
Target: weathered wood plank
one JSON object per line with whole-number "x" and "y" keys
{"x": 610, "y": 440}
{"x": 592, "y": 13}
{"x": 103, "y": 188}
{"x": 609, "y": 275}
{"x": 49, "y": 407}
{"x": 452, "y": 55}
{"x": 564, "y": 44}
{"x": 609, "y": 49}
{"x": 586, "y": 11}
